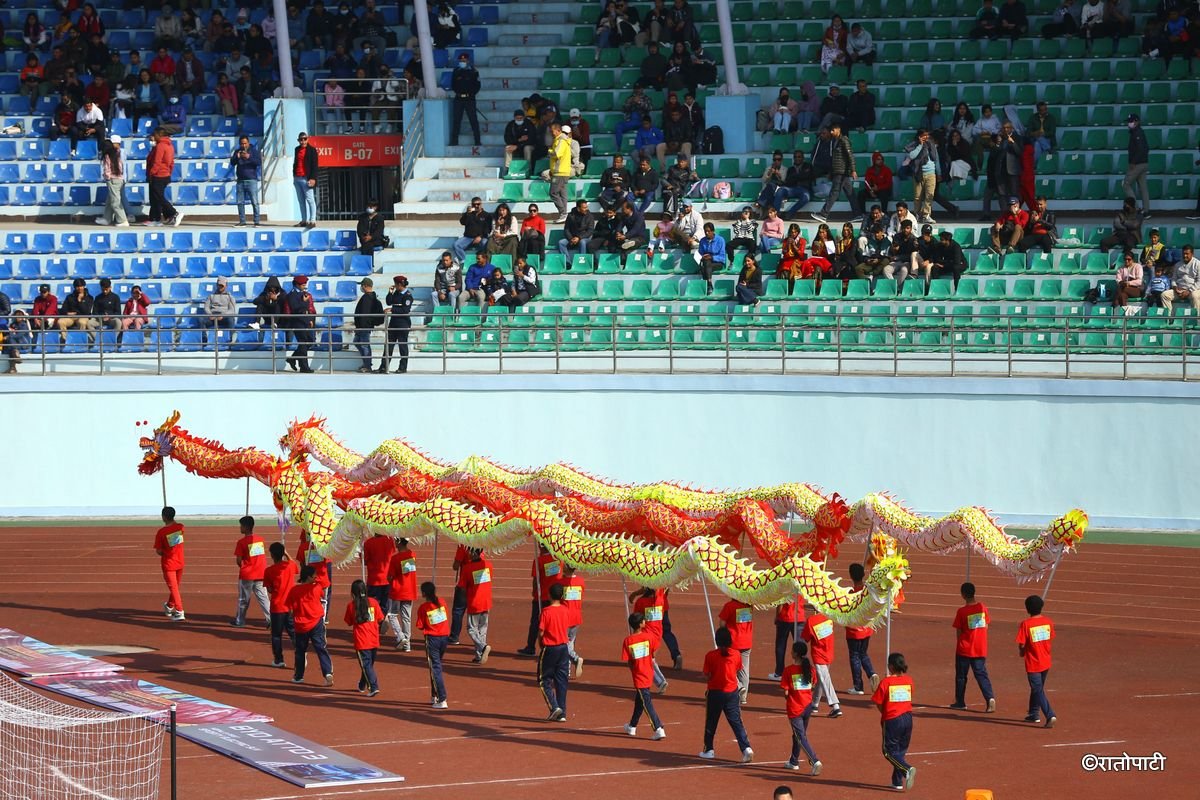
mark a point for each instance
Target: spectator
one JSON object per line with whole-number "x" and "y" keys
{"x": 636, "y": 107}
{"x": 162, "y": 69}
{"x": 335, "y": 104}
{"x": 874, "y": 253}
{"x": 860, "y": 47}
{"x": 678, "y": 70}
{"x": 678, "y": 183}
{"x": 749, "y": 283}
{"x": 358, "y": 99}
{"x": 414, "y": 75}
{"x": 653, "y": 71}
{"x": 219, "y": 308}
{"x": 933, "y": 120}
{"x": 299, "y": 317}
{"x": 475, "y": 283}
{"x": 305, "y": 168}
{"x": 498, "y": 289}
{"x": 189, "y": 74}
{"x": 1129, "y": 280}
{"x": 578, "y": 230}
{"x": 614, "y": 183}
{"x": 168, "y": 30}
{"x": 860, "y": 108}
{"x": 525, "y": 285}
{"x": 807, "y": 107}
{"x": 651, "y": 142}
{"x": 98, "y": 92}
{"x": 76, "y": 311}
{"x": 344, "y": 23}
{"x": 710, "y": 254}
{"x": 1154, "y": 253}
{"x": 533, "y": 234}
{"x": 793, "y": 255}
{"x": 1040, "y": 230}
{"x": 833, "y": 44}
{"x": 465, "y": 85}
{"x": 448, "y": 28}
{"x": 107, "y": 307}
{"x": 1044, "y": 121}
{"x": 340, "y": 64}
{"x": 19, "y": 334}
{"x": 447, "y": 281}
{"x": 744, "y": 233}
{"x": 662, "y": 234}
{"x": 116, "y": 71}
{"x": 97, "y": 54}
{"x": 477, "y": 224}
{"x": 63, "y": 123}
{"x": 928, "y": 252}
{"x": 1091, "y": 19}
{"x": 797, "y": 184}
{"x": 1178, "y": 35}
{"x": 387, "y": 93}
{"x": 368, "y": 315}
{"x": 993, "y": 185}
{"x": 45, "y": 309}
{"x": 655, "y": 25}
{"x": 695, "y": 115}
{"x": 773, "y": 179}
{"x": 370, "y": 30}
{"x": 1160, "y": 284}
{"x": 987, "y": 22}
{"x": 234, "y": 63}
{"x": 213, "y": 32}
{"x": 1009, "y": 168}
{"x": 1118, "y": 19}
{"x": 1064, "y": 22}
{"x": 1008, "y": 230}
{"x": 160, "y": 162}
{"x": 877, "y": 183}
{"x": 604, "y": 238}
{"x": 1185, "y": 282}
{"x": 1013, "y": 21}
{"x": 957, "y": 160}
{"x": 834, "y": 107}
{"x": 73, "y": 86}
{"x": 173, "y": 117}
{"x": 581, "y": 133}
{"x": 136, "y": 311}
{"x": 1127, "y": 228}
{"x": 681, "y": 24}
{"x": 113, "y": 169}
{"x": 1139, "y": 156}
{"x": 562, "y": 168}
{"x": 370, "y": 230}
{"x": 644, "y": 184}
{"x": 632, "y": 234}
{"x": 819, "y": 262}
{"x": 772, "y": 231}
{"x": 505, "y": 233}
{"x": 784, "y": 112}
{"x": 31, "y": 78}
{"x": 678, "y": 133}
{"x": 904, "y": 244}
{"x": 950, "y": 258}
{"x": 1155, "y": 43}
{"x": 191, "y": 29}
{"x": 371, "y": 62}
{"x": 34, "y": 34}
{"x": 689, "y": 227}
{"x": 842, "y": 173}
{"x": 55, "y": 70}
{"x": 822, "y": 154}
{"x": 896, "y": 221}
{"x": 846, "y": 247}
{"x": 963, "y": 121}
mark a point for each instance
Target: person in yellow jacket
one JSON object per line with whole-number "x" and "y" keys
{"x": 560, "y": 168}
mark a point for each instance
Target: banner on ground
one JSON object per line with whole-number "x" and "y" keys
{"x": 285, "y": 755}
{"x": 138, "y": 696}
{"x": 30, "y": 657}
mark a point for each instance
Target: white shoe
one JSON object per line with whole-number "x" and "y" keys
{"x": 874, "y": 682}
{"x": 708, "y": 754}
{"x": 854, "y": 691}
{"x": 774, "y": 676}
{"x": 168, "y": 610}
{"x": 178, "y": 219}
{"x": 101, "y": 221}
{"x": 632, "y": 731}
{"x": 440, "y": 704}
{"x": 910, "y": 778}
{"x": 253, "y": 326}
{"x": 122, "y": 225}
{"x": 663, "y": 688}
{"x": 487, "y": 651}
{"x": 179, "y": 616}
{"x": 561, "y": 220}
{"x": 578, "y": 666}
{"x": 816, "y": 768}
{"x": 329, "y": 679}
{"x": 659, "y": 733}
{"x": 747, "y": 756}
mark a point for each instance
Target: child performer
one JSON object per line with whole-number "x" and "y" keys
{"x": 554, "y": 665}
{"x": 433, "y": 620}
{"x": 308, "y": 617}
{"x": 797, "y": 682}
{"x": 363, "y": 615}
{"x": 894, "y": 700}
{"x": 279, "y": 578}
{"x": 638, "y": 651}
{"x": 1033, "y": 642}
{"x": 721, "y": 671}
{"x": 402, "y": 577}
{"x": 168, "y": 543}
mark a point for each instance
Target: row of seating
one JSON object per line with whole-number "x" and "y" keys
{"x": 89, "y": 172}
{"x": 41, "y": 149}
{"x": 13, "y": 16}
{"x": 152, "y": 241}
{"x": 185, "y": 292}
{"x": 915, "y": 11}
{"x": 190, "y": 340}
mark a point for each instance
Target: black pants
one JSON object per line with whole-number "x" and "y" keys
{"x": 749, "y": 245}
{"x": 281, "y": 623}
{"x": 668, "y": 637}
{"x": 457, "y": 610}
{"x": 1125, "y": 239}
{"x": 727, "y": 703}
{"x": 1056, "y": 29}
{"x": 535, "y": 616}
{"x": 782, "y": 631}
{"x": 160, "y": 206}
{"x": 396, "y": 338}
{"x": 304, "y": 339}
{"x": 465, "y": 105}
{"x": 1032, "y": 240}
{"x": 866, "y": 199}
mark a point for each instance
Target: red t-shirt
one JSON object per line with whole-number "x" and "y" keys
{"x": 279, "y": 580}
{"x": 251, "y": 553}
{"x": 304, "y": 601}
{"x": 402, "y": 574}
{"x": 638, "y": 651}
{"x": 739, "y": 619}
{"x": 799, "y": 691}
{"x": 652, "y": 609}
{"x": 971, "y": 622}
{"x": 894, "y": 696}
{"x": 461, "y": 557}
{"x": 553, "y": 625}
{"x": 366, "y": 634}
{"x": 1036, "y": 633}
{"x": 787, "y": 613}
{"x": 309, "y": 555}
{"x": 433, "y": 619}
{"x": 546, "y": 572}
{"x": 573, "y": 598}
{"x": 299, "y": 169}
{"x": 378, "y": 552}
{"x": 479, "y": 585}
{"x": 858, "y": 631}
{"x": 818, "y": 632}
{"x": 722, "y": 669}
{"x": 169, "y": 542}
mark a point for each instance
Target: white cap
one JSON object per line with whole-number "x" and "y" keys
{"x": 566, "y": 128}
{"x": 574, "y": 113}
{"x": 115, "y": 138}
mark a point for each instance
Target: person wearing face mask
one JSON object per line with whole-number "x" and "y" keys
{"x": 465, "y": 85}
{"x": 399, "y": 302}
{"x": 370, "y": 230}
{"x": 173, "y": 117}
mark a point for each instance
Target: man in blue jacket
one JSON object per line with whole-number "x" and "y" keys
{"x": 247, "y": 169}
{"x": 173, "y": 116}
{"x": 651, "y": 143}
{"x": 711, "y": 253}
{"x": 473, "y": 283}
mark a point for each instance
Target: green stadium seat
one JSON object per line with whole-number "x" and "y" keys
{"x": 1022, "y": 289}
{"x": 995, "y": 289}
{"x": 558, "y": 290}
{"x": 968, "y": 289}
{"x": 885, "y": 289}
{"x": 1041, "y": 263}
{"x": 943, "y": 288}
{"x": 1050, "y": 289}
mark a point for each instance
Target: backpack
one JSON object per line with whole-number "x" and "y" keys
{"x": 722, "y": 191}
{"x": 713, "y": 141}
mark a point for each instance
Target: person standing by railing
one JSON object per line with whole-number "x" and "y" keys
{"x": 368, "y": 315}
{"x": 387, "y": 92}
{"x": 304, "y": 171}
{"x": 465, "y": 85}
{"x": 399, "y": 314}
{"x": 301, "y": 313}
{"x": 247, "y": 169}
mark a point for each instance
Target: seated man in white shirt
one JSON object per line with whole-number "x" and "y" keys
{"x": 89, "y": 124}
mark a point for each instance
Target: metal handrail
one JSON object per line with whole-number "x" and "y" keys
{"x": 272, "y": 150}
{"x": 413, "y": 145}
{"x": 371, "y": 107}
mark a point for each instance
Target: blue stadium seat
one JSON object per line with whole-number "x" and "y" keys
{"x": 237, "y": 290}
{"x": 206, "y": 104}
{"x": 152, "y": 290}
{"x": 167, "y": 268}
{"x": 122, "y": 127}
{"x": 70, "y": 243}
{"x": 304, "y": 265}
{"x": 252, "y": 126}
{"x": 180, "y": 292}
{"x": 143, "y": 39}
{"x": 15, "y": 243}
{"x": 218, "y": 194}
{"x": 125, "y": 243}
{"x": 183, "y": 242}
{"x": 140, "y": 269}
{"x": 77, "y": 342}
{"x": 8, "y": 150}
{"x": 24, "y": 196}
{"x": 199, "y": 126}
{"x": 80, "y": 196}
{"x": 55, "y": 269}
{"x": 90, "y": 173}
{"x": 319, "y": 291}
{"x": 477, "y": 37}
{"x": 291, "y": 241}
{"x": 137, "y": 171}
{"x": 42, "y": 243}
{"x": 263, "y": 242}
{"x": 62, "y": 173}
{"x": 10, "y": 173}
{"x": 332, "y": 266}
{"x": 99, "y": 243}
{"x": 190, "y": 341}
{"x": 133, "y": 341}
{"x": 86, "y": 150}
{"x": 32, "y": 150}
{"x": 135, "y": 195}
{"x": 6, "y": 270}
{"x": 318, "y": 240}
{"x": 52, "y": 196}
{"x": 185, "y": 195}
{"x": 249, "y": 267}
{"x": 209, "y": 242}
{"x": 196, "y": 267}
{"x": 113, "y": 268}
{"x": 345, "y": 240}
{"x": 191, "y": 148}
{"x": 162, "y": 317}
{"x": 58, "y": 150}
{"x": 360, "y": 265}
{"x": 34, "y": 173}
{"x": 29, "y": 269}
{"x": 221, "y": 148}
{"x": 223, "y": 265}
{"x": 108, "y": 341}
{"x": 196, "y": 172}
{"x": 228, "y": 126}
{"x": 153, "y": 242}
{"x": 144, "y": 127}
{"x": 49, "y": 342}
{"x": 247, "y": 340}
{"x": 279, "y": 266}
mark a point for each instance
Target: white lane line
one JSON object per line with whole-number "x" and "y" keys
{"x": 940, "y": 752}
{"x": 1175, "y": 694}
{"x": 500, "y": 735}
{"x": 1081, "y": 744}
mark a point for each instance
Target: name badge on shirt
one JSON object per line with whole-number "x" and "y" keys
{"x": 552, "y": 569}
{"x": 436, "y": 616}
{"x": 408, "y": 566}
{"x": 900, "y": 693}
{"x": 257, "y": 549}
{"x": 744, "y": 615}
{"x": 1039, "y": 633}
{"x": 654, "y": 613}
{"x": 312, "y": 557}
{"x": 798, "y": 682}
{"x": 573, "y": 593}
{"x": 823, "y": 630}
{"x": 976, "y": 621}
{"x": 174, "y": 539}
{"x": 371, "y": 614}
{"x": 482, "y": 576}
{"x": 639, "y": 650}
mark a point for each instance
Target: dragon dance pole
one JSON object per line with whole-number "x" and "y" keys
{"x": 163, "y": 474}
{"x": 247, "y": 495}
{"x": 625, "y": 596}
{"x": 1053, "y": 569}
{"x": 887, "y": 643}
{"x": 435, "y": 541}
{"x": 712, "y": 628}
{"x": 969, "y": 560}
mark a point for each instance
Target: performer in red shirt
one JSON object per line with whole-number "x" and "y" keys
{"x": 797, "y": 682}
{"x": 971, "y": 624}
{"x": 377, "y": 555}
{"x": 1033, "y": 642}
{"x": 652, "y": 605}
{"x": 308, "y": 618}
{"x": 433, "y": 620}
{"x": 573, "y": 587}
{"x": 637, "y": 650}
{"x": 893, "y": 697}
{"x": 322, "y": 569}
{"x": 402, "y": 591}
{"x": 546, "y": 571}
{"x": 554, "y": 665}
{"x": 818, "y": 632}
{"x": 279, "y": 578}
{"x": 858, "y": 639}
{"x": 250, "y": 553}
{"x": 738, "y": 618}
{"x": 363, "y": 614}
{"x": 721, "y": 669}
{"x": 478, "y": 573}
{"x": 458, "y": 606}
{"x": 168, "y": 543}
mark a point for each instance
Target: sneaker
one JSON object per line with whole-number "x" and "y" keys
{"x": 487, "y": 651}
{"x": 453, "y": 641}
{"x": 278, "y": 664}
{"x": 373, "y": 692}
{"x": 659, "y": 733}
{"x": 1145, "y": 216}
{"x": 168, "y": 609}
{"x": 663, "y": 688}
{"x": 774, "y": 676}
{"x": 678, "y": 662}
{"x": 178, "y": 219}
{"x": 910, "y": 777}
{"x": 1050, "y": 722}
{"x": 73, "y": 154}
{"x": 929, "y": 221}
{"x": 707, "y": 754}
{"x": 874, "y": 682}
{"x": 236, "y": 624}
{"x": 329, "y": 679}
{"x": 561, "y": 219}
{"x": 101, "y": 221}
{"x": 816, "y": 768}
{"x": 835, "y": 713}
{"x": 854, "y": 691}
{"x": 631, "y": 730}
{"x": 899, "y": 788}
{"x": 991, "y": 705}
{"x": 818, "y": 217}
{"x": 440, "y": 704}
{"x": 959, "y": 706}
{"x": 792, "y": 765}
{"x": 1033, "y": 718}
{"x": 525, "y": 651}
{"x": 407, "y": 647}
{"x": 122, "y": 225}
{"x": 578, "y": 666}
{"x": 178, "y": 616}
{"x": 1193, "y": 218}
{"x": 859, "y": 218}
{"x": 297, "y": 679}
{"x": 476, "y": 660}
{"x": 747, "y": 756}
{"x": 254, "y": 326}
{"x": 556, "y": 715}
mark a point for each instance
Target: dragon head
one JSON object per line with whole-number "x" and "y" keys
{"x": 831, "y": 523}
{"x": 158, "y": 446}
{"x": 1070, "y": 528}
{"x": 292, "y": 442}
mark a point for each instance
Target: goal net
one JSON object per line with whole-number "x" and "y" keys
{"x": 53, "y": 751}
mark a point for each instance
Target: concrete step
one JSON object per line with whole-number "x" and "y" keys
{"x": 530, "y": 40}
{"x": 490, "y": 146}
{"x": 538, "y": 18}
{"x": 524, "y": 84}
{"x": 458, "y": 196}
{"x": 481, "y": 173}
{"x": 569, "y": 10}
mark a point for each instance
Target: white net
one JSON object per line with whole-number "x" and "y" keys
{"x": 52, "y": 751}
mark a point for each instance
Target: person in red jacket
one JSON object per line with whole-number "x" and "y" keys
{"x": 250, "y": 553}
{"x": 818, "y": 632}
{"x": 159, "y": 164}
{"x": 478, "y": 572}
{"x": 554, "y": 664}
{"x": 402, "y": 591}
{"x": 364, "y": 615}
{"x": 797, "y": 682}
{"x": 637, "y": 650}
{"x": 308, "y": 617}
{"x": 1034, "y": 638}
{"x": 168, "y": 543}
{"x": 786, "y": 624}
{"x": 1008, "y": 230}
{"x": 279, "y": 578}
{"x": 377, "y": 555}
{"x": 738, "y": 618}
{"x": 858, "y": 639}
{"x": 45, "y": 309}
{"x": 433, "y": 620}
{"x": 970, "y": 651}
{"x": 877, "y": 184}
{"x": 721, "y": 669}
{"x": 573, "y": 586}
{"x": 652, "y": 605}
{"x": 545, "y": 572}
{"x": 893, "y": 697}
